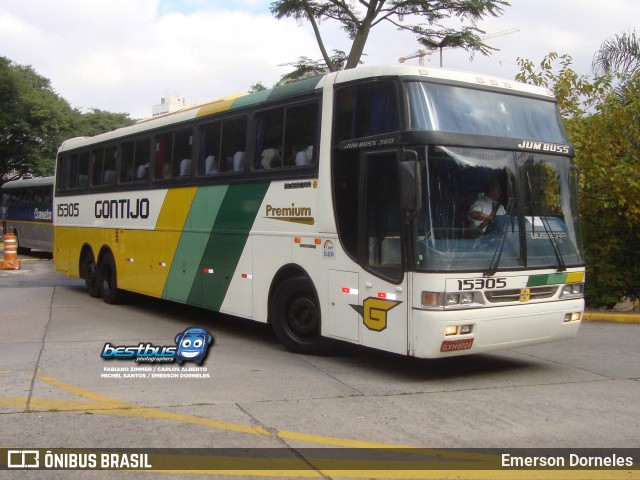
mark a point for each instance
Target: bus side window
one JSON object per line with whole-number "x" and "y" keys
{"x": 269, "y": 127}
{"x": 364, "y": 110}
{"x": 84, "y": 161}
{"x": 97, "y": 166}
{"x": 104, "y": 166}
{"x": 300, "y": 134}
{"x": 109, "y": 175}
{"x": 234, "y": 144}
{"x": 164, "y": 147}
{"x": 126, "y": 162}
{"x": 141, "y": 159}
{"x": 182, "y": 153}
{"x": 209, "y": 163}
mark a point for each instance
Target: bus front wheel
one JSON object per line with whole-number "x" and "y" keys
{"x": 108, "y": 280}
{"x": 295, "y": 317}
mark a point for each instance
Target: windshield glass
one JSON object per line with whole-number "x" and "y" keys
{"x": 449, "y": 108}
{"x": 485, "y": 210}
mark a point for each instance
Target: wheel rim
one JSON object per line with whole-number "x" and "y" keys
{"x": 303, "y": 318}
{"x": 91, "y": 279}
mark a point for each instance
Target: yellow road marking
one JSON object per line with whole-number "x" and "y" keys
{"x": 104, "y": 405}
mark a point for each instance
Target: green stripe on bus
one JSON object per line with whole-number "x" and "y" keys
{"x": 225, "y": 244}
{"x": 197, "y": 228}
{"x": 300, "y": 87}
{"x": 548, "y": 279}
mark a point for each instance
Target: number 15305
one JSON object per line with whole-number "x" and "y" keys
{"x": 481, "y": 283}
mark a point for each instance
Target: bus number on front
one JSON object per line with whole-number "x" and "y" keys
{"x": 481, "y": 283}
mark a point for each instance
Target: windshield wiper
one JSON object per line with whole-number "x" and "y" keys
{"x": 547, "y": 228}
{"x": 554, "y": 243}
{"x": 495, "y": 261}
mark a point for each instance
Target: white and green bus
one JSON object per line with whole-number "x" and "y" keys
{"x": 341, "y": 207}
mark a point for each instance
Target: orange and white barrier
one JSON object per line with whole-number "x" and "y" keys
{"x": 11, "y": 260}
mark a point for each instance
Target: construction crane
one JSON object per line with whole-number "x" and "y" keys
{"x": 420, "y": 54}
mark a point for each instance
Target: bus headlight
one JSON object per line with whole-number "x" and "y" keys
{"x": 451, "y": 330}
{"x": 452, "y": 299}
{"x": 573, "y": 317}
{"x": 572, "y": 290}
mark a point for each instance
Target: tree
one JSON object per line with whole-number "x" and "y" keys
{"x": 620, "y": 53}
{"x": 605, "y": 131}
{"x": 305, "y": 67}
{"x": 100, "y": 121}
{"x": 257, "y": 87}
{"x": 33, "y": 120}
{"x": 357, "y": 20}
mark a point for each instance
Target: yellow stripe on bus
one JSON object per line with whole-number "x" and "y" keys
{"x": 575, "y": 277}
{"x": 152, "y": 251}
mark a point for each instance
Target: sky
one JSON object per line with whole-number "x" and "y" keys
{"x": 125, "y": 55}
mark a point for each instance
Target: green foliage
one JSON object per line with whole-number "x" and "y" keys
{"x": 620, "y": 53}
{"x": 305, "y": 67}
{"x": 257, "y": 87}
{"x": 423, "y": 18}
{"x": 100, "y": 121}
{"x": 35, "y": 120}
{"x": 604, "y": 128}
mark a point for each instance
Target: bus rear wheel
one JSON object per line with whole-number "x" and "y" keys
{"x": 296, "y": 319}
{"x": 89, "y": 271}
{"x": 108, "y": 280}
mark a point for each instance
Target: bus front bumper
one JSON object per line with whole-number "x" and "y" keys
{"x": 482, "y": 330}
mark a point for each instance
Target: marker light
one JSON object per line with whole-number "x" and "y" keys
{"x": 431, "y": 299}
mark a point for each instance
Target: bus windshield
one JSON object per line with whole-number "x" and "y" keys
{"x": 447, "y": 108}
{"x": 485, "y": 210}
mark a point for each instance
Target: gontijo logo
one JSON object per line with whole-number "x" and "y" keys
{"x": 192, "y": 346}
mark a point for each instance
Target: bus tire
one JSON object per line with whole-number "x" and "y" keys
{"x": 108, "y": 280}
{"x": 296, "y": 319}
{"x": 21, "y": 250}
{"x": 89, "y": 271}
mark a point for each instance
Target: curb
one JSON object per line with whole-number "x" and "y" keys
{"x": 611, "y": 317}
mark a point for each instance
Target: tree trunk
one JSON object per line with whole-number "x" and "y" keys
{"x": 360, "y": 39}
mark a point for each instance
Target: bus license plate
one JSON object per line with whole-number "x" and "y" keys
{"x": 456, "y": 345}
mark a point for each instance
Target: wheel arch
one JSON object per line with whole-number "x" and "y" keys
{"x": 105, "y": 250}
{"x": 84, "y": 251}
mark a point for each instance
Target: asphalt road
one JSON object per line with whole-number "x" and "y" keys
{"x": 57, "y": 392}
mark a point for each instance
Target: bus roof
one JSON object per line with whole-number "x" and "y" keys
{"x": 303, "y": 87}
{"x": 28, "y": 182}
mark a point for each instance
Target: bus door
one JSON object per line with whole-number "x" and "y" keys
{"x": 382, "y": 283}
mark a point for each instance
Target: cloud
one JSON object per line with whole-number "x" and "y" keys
{"x": 124, "y": 56}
